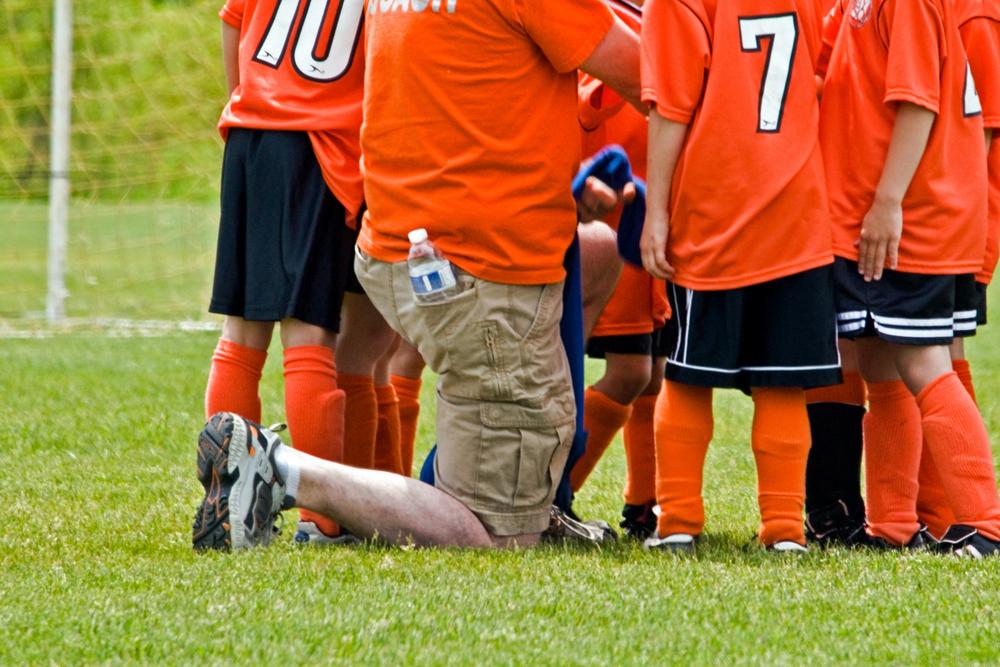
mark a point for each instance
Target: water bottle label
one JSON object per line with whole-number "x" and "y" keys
{"x": 434, "y": 281}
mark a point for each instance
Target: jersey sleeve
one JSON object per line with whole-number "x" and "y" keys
{"x": 232, "y": 12}
{"x": 914, "y": 33}
{"x": 676, "y": 55}
{"x": 567, "y": 31}
{"x": 597, "y": 103}
{"x": 981, "y": 37}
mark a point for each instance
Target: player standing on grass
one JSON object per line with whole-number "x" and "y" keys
{"x": 469, "y": 133}
{"x": 902, "y": 135}
{"x": 737, "y": 222}
{"x": 979, "y": 25}
{"x": 291, "y": 182}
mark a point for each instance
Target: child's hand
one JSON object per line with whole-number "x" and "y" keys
{"x": 879, "y": 241}
{"x": 653, "y": 245}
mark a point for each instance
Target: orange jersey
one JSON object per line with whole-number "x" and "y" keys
{"x": 470, "y": 130}
{"x": 302, "y": 68}
{"x": 748, "y": 202}
{"x": 639, "y": 303}
{"x": 979, "y": 25}
{"x": 891, "y": 51}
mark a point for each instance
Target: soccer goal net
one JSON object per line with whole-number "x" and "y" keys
{"x": 146, "y": 88}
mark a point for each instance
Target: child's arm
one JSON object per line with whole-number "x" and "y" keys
{"x": 883, "y": 225}
{"x": 666, "y": 140}
{"x": 231, "y": 55}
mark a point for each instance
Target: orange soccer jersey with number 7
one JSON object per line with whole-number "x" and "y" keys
{"x": 302, "y": 69}
{"x": 748, "y": 201}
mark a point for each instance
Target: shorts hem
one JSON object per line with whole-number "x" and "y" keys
{"x": 500, "y": 524}
{"x": 744, "y": 378}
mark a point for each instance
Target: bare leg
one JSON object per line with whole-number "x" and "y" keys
{"x": 397, "y": 509}
{"x": 247, "y": 333}
{"x": 601, "y": 269}
{"x": 364, "y": 336}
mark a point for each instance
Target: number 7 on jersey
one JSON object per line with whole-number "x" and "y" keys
{"x": 782, "y": 33}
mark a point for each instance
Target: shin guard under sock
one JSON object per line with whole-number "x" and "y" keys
{"x": 234, "y": 380}
{"x": 603, "y": 417}
{"x": 683, "y": 431}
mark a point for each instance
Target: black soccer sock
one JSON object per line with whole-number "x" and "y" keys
{"x": 833, "y": 472}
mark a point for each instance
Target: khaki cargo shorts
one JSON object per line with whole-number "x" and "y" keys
{"x": 505, "y": 408}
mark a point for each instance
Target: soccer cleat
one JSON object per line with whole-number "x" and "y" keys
{"x": 307, "y": 534}
{"x": 243, "y": 495}
{"x": 920, "y": 540}
{"x": 677, "y": 543}
{"x": 966, "y": 541}
{"x": 788, "y": 547}
{"x": 566, "y": 527}
{"x": 639, "y": 521}
{"x": 834, "y": 524}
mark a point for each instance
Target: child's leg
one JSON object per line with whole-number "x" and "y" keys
{"x": 955, "y": 435}
{"x": 407, "y": 367}
{"x": 893, "y": 437}
{"x": 683, "y": 430}
{"x": 781, "y": 447}
{"x": 640, "y": 445}
{"x": 933, "y": 508}
{"x": 607, "y": 408}
{"x": 388, "y": 450}
{"x": 365, "y": 337}
{"x": 237, "y": 363}
{"x": 314, "y": 405}
{"x": 833, "y": 474}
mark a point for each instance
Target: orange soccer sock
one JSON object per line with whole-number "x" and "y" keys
{"x": 603, "y": 417}
{"x": 933, "y": 508}
{"x": 683, "y": 430}
{"x": 387, "y": 453}
{"x": 640, "y": 453}
{"x": 234, "y": 380}
{"x": 408, "y": 393}
{"x": 893, "y": 440}
{"x": 780, "y": 441}
{"x": 960, "y": 445}
{"x": 964, "y": 372}
{"x": 314, "y": 407}
{"x": 360, "y": 420}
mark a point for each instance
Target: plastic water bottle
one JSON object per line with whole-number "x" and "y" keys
{"x": 430, "y": 273}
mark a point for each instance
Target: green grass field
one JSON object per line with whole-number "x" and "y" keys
{"x": 98, "y": 487}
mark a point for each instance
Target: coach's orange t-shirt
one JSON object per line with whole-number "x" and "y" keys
{"x": 639, "y": 302}
{"x": 470, "y": 130}
{"x": 748, "y": 202}
{"x": 979, "y": 25}
{"x": 302, "y": 69}
{"x": 891, "y": 51}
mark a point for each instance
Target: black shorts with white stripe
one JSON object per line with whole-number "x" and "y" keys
{"x": 981, "y": 317}
{"x": 905, "y": 308}
{"x": 782, "y": 333}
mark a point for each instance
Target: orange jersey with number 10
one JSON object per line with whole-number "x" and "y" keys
{"x": 979, "y": 25}
{"x": 748, "y": 202}
{"x": 301, "y": 68}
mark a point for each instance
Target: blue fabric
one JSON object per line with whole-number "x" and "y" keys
{"x": 611, "y": 166}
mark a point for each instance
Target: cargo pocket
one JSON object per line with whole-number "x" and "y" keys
{"x": 521, "y": 448}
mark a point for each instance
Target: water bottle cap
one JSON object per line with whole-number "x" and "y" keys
{"x": 417, "y": 235}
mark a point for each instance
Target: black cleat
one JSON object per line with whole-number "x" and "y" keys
{"x": 639, "y": 521}
{"x": 835, "y": 525}
{"x": 967, "y": 541}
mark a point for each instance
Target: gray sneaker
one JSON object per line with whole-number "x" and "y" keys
{"x": 243, "y": 494}
{"x": 307, "y": 533}
{"x": 565, "y": 529}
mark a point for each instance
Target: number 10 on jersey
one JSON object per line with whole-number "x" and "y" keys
{"x": 312, "y": 60}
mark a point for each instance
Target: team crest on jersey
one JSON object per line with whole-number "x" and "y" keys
{"x": 860, "y": 13}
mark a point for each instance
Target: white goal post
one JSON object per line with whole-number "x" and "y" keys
{"x": 59, "y": 144}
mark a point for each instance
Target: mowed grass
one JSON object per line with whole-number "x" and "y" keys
{"x": 98, "y": 492}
